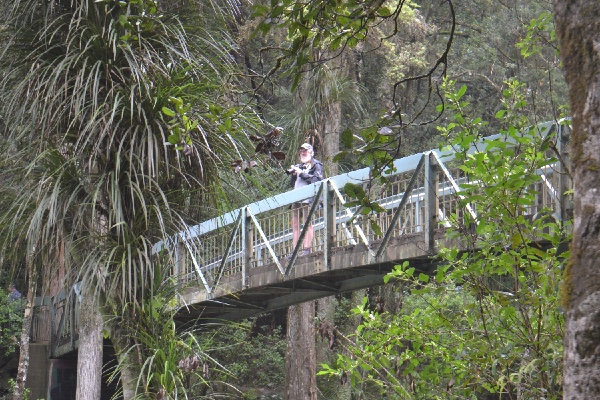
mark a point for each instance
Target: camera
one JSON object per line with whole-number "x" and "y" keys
{"x": 291, "y": 170}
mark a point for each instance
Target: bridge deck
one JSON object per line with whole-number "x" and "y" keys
{"x": 351, "y": 268}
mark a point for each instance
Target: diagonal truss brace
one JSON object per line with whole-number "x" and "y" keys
{"x": 396, "y": 217}
{"x": 315, "y": 203}
{"x": 349, "y": 213}
{"x": 197, "y": 267}
{"x": 454, "y": 185}
{"x": 234, "y": 232}
{"x": 265, "y": 241}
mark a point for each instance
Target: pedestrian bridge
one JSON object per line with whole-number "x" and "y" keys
{"x": 245, "y": 263}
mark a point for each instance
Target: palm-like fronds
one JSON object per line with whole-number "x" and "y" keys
{"x": 98, "y": 99}
{"x": 87, "y": 90}
{"x": 320, "y": 89}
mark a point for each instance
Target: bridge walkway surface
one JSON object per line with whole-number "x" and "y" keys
{"x": 244, "y": 263}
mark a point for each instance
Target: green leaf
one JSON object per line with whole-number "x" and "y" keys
{"x": 376, "y": 228}
{"x": 263, "y": 27}
{"x": 259, "y": 10}
{"x": 339, "y": 156}
{"x": 347, "y": 138}
{"x": 168, "y": 112}
{"x": 173, "y": 139}
{"x": 423, "y": 278}
{"x": 123, "y": 20}
{"x": 353, "y": 203}
{"x": 439, "y": 276}
{"x": 335, "y": 43}
{"x": 377, "y": 208}
{"x": 355, "y": 191}
{"x": 384, "y": 12}
{"x": 317, "y": 40}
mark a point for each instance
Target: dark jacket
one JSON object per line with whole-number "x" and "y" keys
{"x": 314, "y": 174}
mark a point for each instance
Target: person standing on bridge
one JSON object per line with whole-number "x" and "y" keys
{"x": 309, "y": 170}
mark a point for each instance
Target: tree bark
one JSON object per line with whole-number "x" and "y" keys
{"x": 19, "y": 390}
{"x": 128, "y": 358}
{"x": 329, "y": 126}
{"x": 89, "y": 359}
{"x": 300, "y": 365}
{"x": 578, "y": 32}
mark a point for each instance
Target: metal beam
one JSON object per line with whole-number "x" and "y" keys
{"x": 351, "y": 215}
{"x": 431, "y": 201}
{"x": 228, "y": 250}
{"x": 329, "y": 224}
{"x": 247, "y": 249}
{"x": 454, "y": 185}
{"x": 266, "y": 242}
{"x": 308, "y": 221}
{"x": 396, "y": 217}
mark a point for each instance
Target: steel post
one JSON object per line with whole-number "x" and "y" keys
{"x": 431, "y": 201}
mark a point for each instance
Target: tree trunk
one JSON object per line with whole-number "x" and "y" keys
{"x": 325, "y": 311}
{"x": 89, "y": 359}
{"x": 128, "y": 358}
{"x": 19, "y": 390}
{"x": 300, "y": 365}
{"x": 329, "y": 126}
{"x": 578, "y": 32}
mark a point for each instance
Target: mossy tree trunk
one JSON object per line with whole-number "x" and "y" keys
{"x": 578, "y": 32}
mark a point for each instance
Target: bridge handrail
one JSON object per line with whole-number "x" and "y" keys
{"x": 400, "y": 166}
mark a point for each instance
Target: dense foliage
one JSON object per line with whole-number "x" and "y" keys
{"x": 488, "y": 320}
{"x": 118, "y": 117}
{"x": 10, "y": 323}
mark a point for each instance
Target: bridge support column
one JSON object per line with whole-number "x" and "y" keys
{"x": 247, "y": 247}
{"x": 329, "y": 223}
{"x": 431, "y": 201}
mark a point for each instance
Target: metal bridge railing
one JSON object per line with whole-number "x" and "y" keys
{"x": 56, "y": 321}
{"x": 422, "y": 194}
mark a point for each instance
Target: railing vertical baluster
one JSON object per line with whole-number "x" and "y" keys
{"x": 247, "y": 247}
{"x": 328, "y": 224}
{"x": 431, "y": 201}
